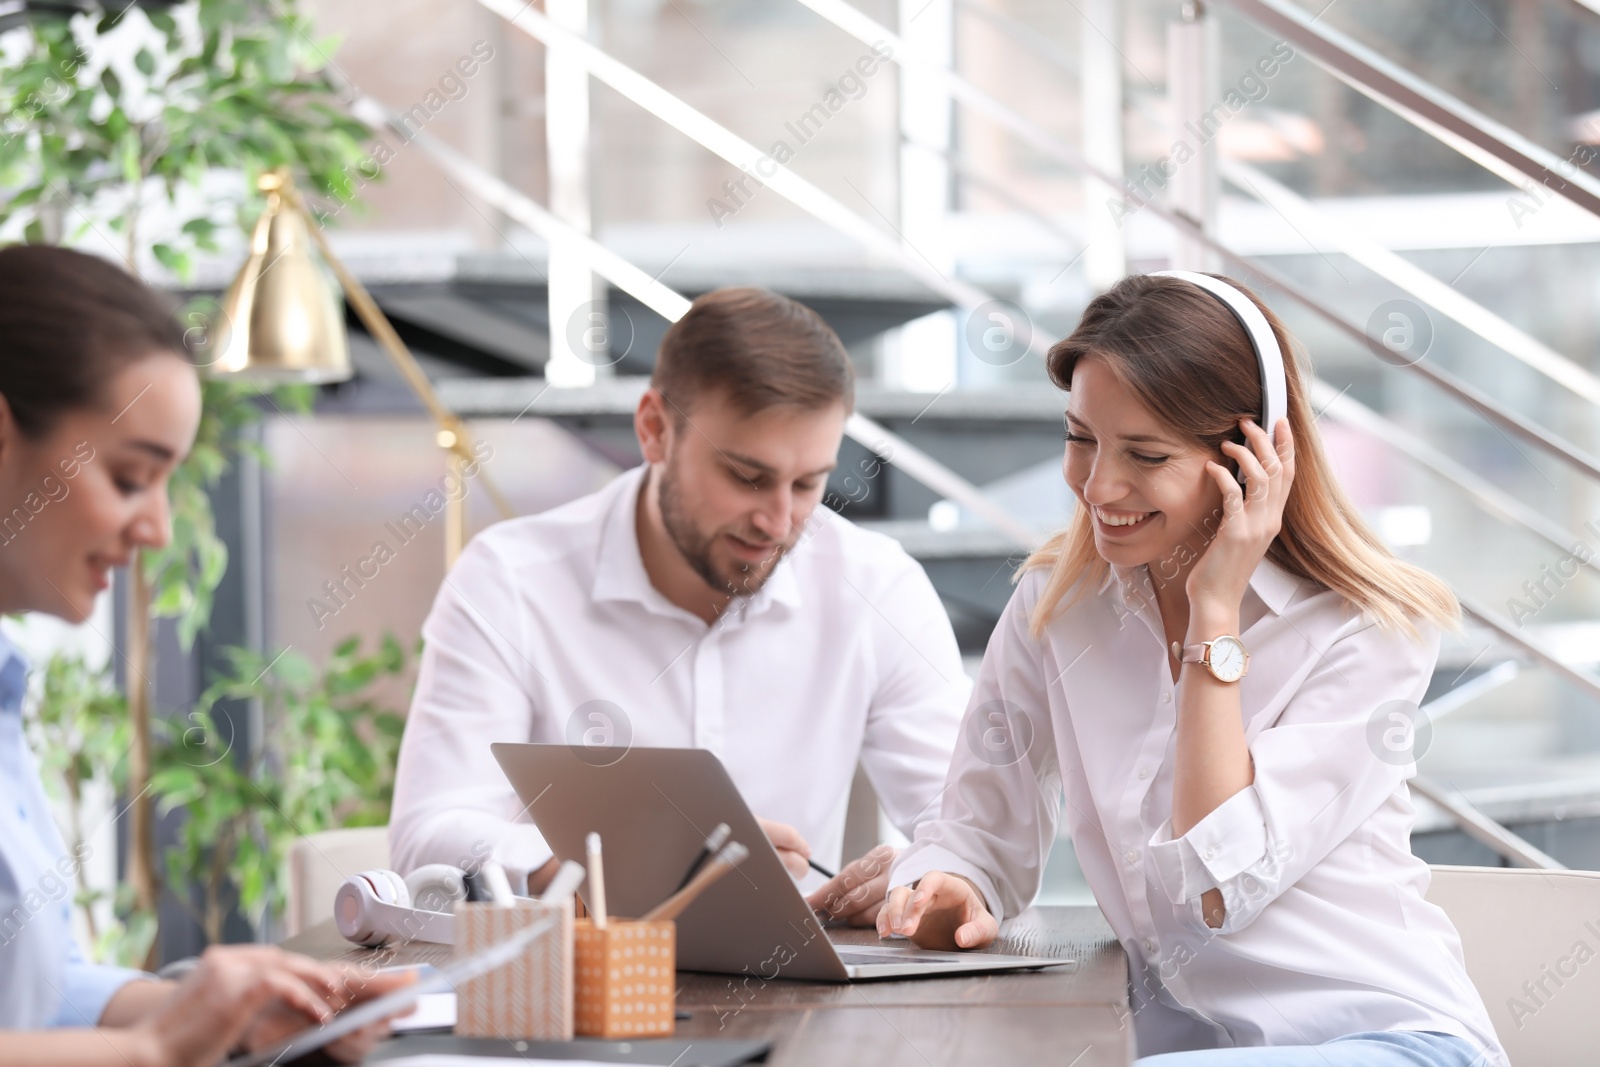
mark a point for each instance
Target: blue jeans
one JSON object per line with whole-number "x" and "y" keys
{"x": 1378, "y": 1048}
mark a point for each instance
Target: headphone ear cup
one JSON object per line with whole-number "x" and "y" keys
{"x": 436, "y": 886}
{"x": 357, "y": 902}
{"x": 399, "y": 889}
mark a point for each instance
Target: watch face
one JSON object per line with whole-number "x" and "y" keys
{"x": 1227, "y": 659}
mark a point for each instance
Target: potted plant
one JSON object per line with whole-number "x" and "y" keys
{"x": 325, "y": 758}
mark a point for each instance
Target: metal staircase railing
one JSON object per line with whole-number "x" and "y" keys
{"x": 699, "y": 127}
{"x": 1475, "y": 135}
{"x": 864, "y": 29}
{"x": 671, "y": 306}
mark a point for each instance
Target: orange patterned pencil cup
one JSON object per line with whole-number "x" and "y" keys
{"x": 530, "y": 997}
{"x": 625, "y": 977}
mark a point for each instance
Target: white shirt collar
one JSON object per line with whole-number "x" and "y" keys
{"x": 620, "y": 574}
{"x": 1274, "y": 586}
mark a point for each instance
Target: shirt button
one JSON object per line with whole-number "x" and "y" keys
{"x": 1209, "y": 853}
{"x": 1132, "y": 855}
{"x": 1150, "y": 945}
{"x": 1144, "y": 773}
{"x": 1166, "y": 698}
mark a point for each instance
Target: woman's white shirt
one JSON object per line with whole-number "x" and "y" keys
{"x": 1326, "y": 931}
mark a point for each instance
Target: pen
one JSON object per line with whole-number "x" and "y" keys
{"x": 714, "y": 841}
{"x": 563, "y": 885}
{"x": 597, "y": 882}
{"x": 477, "y": 890}
{"x": 820, "y": 869}
{"x": 495, "y": 881}
{"x": 731, "y": 855}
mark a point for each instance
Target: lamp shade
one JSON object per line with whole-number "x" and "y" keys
{"x": 280, "y": 320}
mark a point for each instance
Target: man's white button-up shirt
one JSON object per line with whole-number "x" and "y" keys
{"x": 548, "y": 629}
{"x": 1326, "y": 930}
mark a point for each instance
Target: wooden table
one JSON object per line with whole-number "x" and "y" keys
{"x": 1070, "y": 1017}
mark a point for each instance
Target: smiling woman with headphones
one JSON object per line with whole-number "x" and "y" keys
{"x": 98, "y": 404}
{"x": 1209, "y": 663}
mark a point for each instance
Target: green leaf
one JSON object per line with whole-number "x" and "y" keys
{"x": 145, "y": 62}
{"x": 169, "y": 257}
{"x": 164, "y": 22}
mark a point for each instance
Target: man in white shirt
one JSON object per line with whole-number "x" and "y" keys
{"x": 700, "y": 600}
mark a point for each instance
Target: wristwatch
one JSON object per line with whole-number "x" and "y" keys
{"x": 1223, "y": 656}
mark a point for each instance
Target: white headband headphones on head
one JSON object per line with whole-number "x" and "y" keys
{"x": 1274, "y": 386}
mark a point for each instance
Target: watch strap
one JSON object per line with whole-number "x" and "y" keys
{"x": 1189, "y": 653}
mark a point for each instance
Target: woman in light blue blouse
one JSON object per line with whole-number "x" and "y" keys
{"x": 98, "y": 403}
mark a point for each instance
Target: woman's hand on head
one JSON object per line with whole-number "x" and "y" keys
{"x": 1252, "y": 515}
{"x": 943, "y": 911}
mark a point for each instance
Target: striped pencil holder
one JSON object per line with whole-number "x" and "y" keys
{"x": 529, "y": 998}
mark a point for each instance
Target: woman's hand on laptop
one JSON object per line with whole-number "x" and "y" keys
{"x": 941, "y": 911}
{"x": 792, "y": 848}
{"x": 856, "y": 893}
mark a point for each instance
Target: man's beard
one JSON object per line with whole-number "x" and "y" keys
{"x": 696, "y": 546}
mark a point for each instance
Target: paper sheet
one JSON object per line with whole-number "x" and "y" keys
{"x": 434, "y": 1010}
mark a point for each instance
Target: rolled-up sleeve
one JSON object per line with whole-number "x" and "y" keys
{"x": 1321, "y": 769}
{"x": 1002, "y": 796}
{"x": 452, "y": 803}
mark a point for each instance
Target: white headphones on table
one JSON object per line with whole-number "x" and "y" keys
{"x": 376, "y": 907}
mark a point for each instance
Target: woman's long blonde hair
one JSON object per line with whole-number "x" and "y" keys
{"x": 1189, "y": 361}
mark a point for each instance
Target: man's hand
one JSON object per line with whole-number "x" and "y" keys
{"x": 944, "y": 911}
{"x": 540, "y": 879}
{"x": 792, "y": 848}
{"x": 856, "y": 893}
{"x": 340, "y": 987}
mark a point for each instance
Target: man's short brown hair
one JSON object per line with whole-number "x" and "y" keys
{"x": 759, "y": 350}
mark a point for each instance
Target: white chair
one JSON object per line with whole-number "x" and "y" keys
{"x": 1531, "y": 939}
{"x": 319, "y": 863}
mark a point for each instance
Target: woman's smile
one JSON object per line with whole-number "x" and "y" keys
{"x": 1113, "y": 523}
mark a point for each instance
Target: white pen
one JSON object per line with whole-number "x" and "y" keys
{"x": 499, "y": 886}
{"x": 597, "y": 882}
{"x": 563, "y": 885}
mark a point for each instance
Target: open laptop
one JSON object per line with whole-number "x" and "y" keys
{"x": 653, "y": 808}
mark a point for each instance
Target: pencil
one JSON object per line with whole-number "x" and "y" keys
{"x": 597, "y": 882}
{"x": 731, "y": 855}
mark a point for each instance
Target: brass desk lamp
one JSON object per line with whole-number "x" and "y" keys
{"x": 279, "y": 323}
